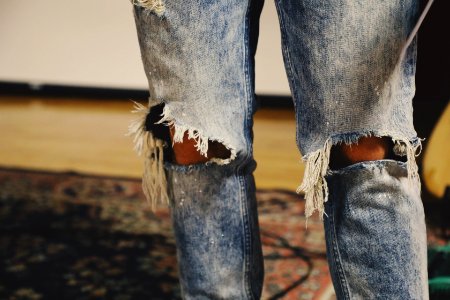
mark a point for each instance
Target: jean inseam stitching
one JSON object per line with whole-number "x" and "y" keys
{"x": 247, "y": 240}
{"x": 337, "y": 261}
{"x": 241, "y": 179}
{"x": 288, "y": 61}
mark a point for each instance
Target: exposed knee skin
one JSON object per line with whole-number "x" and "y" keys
{"x": 185, "y": 153}
{"x": 367, "y": 149}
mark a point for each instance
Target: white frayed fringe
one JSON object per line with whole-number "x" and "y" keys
{"x": 154, "y": 182}
{"x": 405, "y": 147}
{"x": 156, "y": 6}
{"x": 315, "y": 186}
{"x": 137, "y": 127}
{"x": 201, "y": 141}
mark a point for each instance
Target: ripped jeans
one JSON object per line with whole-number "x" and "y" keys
{"x": 350, "y": 77}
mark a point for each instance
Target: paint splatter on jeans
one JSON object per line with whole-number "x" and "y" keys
{"x": 350, "y": 75}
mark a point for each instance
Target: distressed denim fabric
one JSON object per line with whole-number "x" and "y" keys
{"x": 350, "y": 78}
{"x": 375, "y": 233}
{"x": 217, "y": 234}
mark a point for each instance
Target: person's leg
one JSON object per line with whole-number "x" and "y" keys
{"x": 352, "y": 90}
{"x": 197, "y": 138}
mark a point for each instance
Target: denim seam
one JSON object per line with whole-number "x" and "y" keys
{"x": 242, "y": 188}
{"x": 363, "y": 165}
{"x": 337, "y": 256}
{"x": 288, "y": 62}
{"x": 247, "y": 239}
{"x": 321, "y": 156}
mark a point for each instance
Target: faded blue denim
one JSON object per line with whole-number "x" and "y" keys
{"x": 349, "y": 78}
{"x": 375, "y": 233}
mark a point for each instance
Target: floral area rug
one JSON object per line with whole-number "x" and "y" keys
{"x": 74, "y": 236}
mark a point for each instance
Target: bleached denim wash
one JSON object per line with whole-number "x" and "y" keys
{"x": 351, "y": 76}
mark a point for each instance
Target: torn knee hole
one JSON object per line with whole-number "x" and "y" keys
{"x": 153, "y": 132}
{"x": 187, "y": 151}
{"x": 366, "y": 149}
{"x": 159, "y": 131}
{"x": 318, "y": 163}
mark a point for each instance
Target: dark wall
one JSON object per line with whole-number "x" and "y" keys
{"x": 433, "y": 68}
{"x": 433, "y": 56}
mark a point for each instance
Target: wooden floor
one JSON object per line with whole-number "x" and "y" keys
{"x": 88, "y": 136}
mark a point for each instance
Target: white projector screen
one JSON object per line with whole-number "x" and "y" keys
{"x": 94, "y": 44}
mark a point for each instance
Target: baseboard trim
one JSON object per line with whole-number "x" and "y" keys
{"x": 68, "y": 91}
{"x": 99, "y": 93}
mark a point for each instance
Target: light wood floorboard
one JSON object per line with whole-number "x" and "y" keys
{"x": 88, "y": 136}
